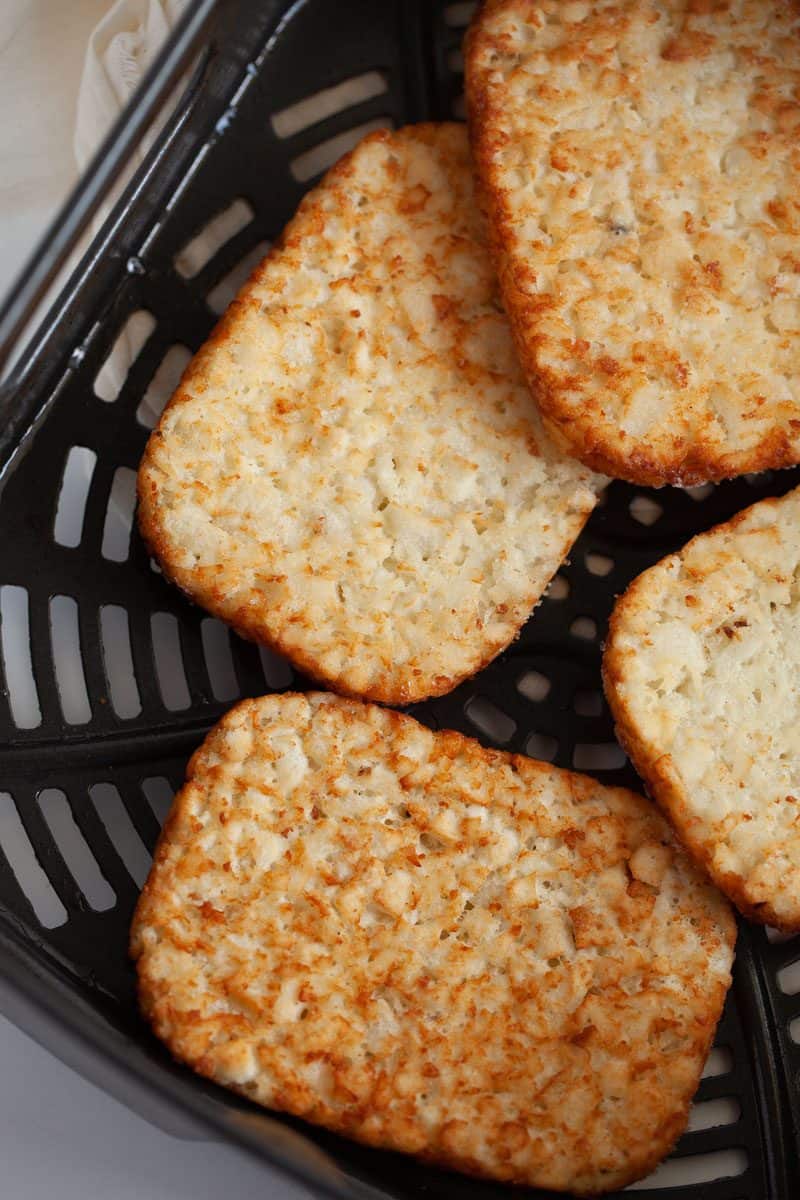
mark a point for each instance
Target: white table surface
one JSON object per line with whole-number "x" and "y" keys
{"x": 59, "y": 1135}
{"x": 62, "y": 1137}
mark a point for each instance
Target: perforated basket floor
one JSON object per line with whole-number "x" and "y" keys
{"x": 111, "y": 677}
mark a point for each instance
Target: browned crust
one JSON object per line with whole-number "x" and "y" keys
{"x": 774, "y": 452}
{"x": 655, "y": 768}
{"x": 244, "y": 622}
{"x": 456, "y": 745}
{"x": 694, "y": 463}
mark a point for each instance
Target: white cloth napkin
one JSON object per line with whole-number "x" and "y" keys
{"x": 120, "y": 50}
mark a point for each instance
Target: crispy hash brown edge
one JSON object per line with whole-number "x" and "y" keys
{"x": 575, "y": 437}
{"x": 456, "y": 745}
{"x": 657, "y": 768}
{"x": 383, "y": 690}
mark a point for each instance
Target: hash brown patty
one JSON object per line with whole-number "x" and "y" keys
{"x": 640, "y": 164}
{"x": 488, "y": 962}
{"x": 352, "y": 470}
{"x": 702, "y": 674}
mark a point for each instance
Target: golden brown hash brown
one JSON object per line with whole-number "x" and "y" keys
{"x": 353, "y": 471}
{"x": 702, "y": 673}
{"x": 639, "y": 163}
{"x": 467, "y": 955}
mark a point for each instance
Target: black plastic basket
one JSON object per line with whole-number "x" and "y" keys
{"x": 82, "y": 792}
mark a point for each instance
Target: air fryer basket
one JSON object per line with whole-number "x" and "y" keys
{"x": 120, "y": 676}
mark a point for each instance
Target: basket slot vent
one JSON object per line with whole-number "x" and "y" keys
{"x": 16, "y": 846}
{"x": 542, "y": 746}
{"x": 229, "y": 286}
{"x": 74, "y": 850}
{"x": 118, "y": 661}
{"x": 459, "y": 108}
{"x": 219, "y": 659}
{"x": 584, "y": 628}
{"x": 794, "y": 1030}
{"x": 67, "y": 661}
{"x": 710, "y": 1114}
{"x": 120, "y": 829}
{"x": 789, "y": 978}
{"x": 534, "y": 686}
{"x": 119, "y": 516}
{"x": 559, "y": 588}
{"x": 130, "y": 341}
{"x": 455, "y": 61}
{"x": 588, "y": 704}
{"x": 598, "y": 756}
{"x": 162, "y": 385}
{"x": 645, "y": 510}
{"x": 158, "y": 793}
{"x": 457, "y": 16}
{"x": 326, "y": 103}
{"x": 144, "y": 660}
{"x": 16, "y": 646}
{"x": 490, "y": 720}
{"x": 719, "y": 1062}
{"x": 695, "y": 1168}
{"x": 313, "y": 162}
{"x": 277, "y": 671}
{"x": 169, "y": 662}
{"x": 212, "y": 237}
{"x": 701, "y": 492}
{"x": 71, "y": 503}
{"x": 776, "y": 936}
{"x": 599, "y": 564}
{"x": 194, "y": 658}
